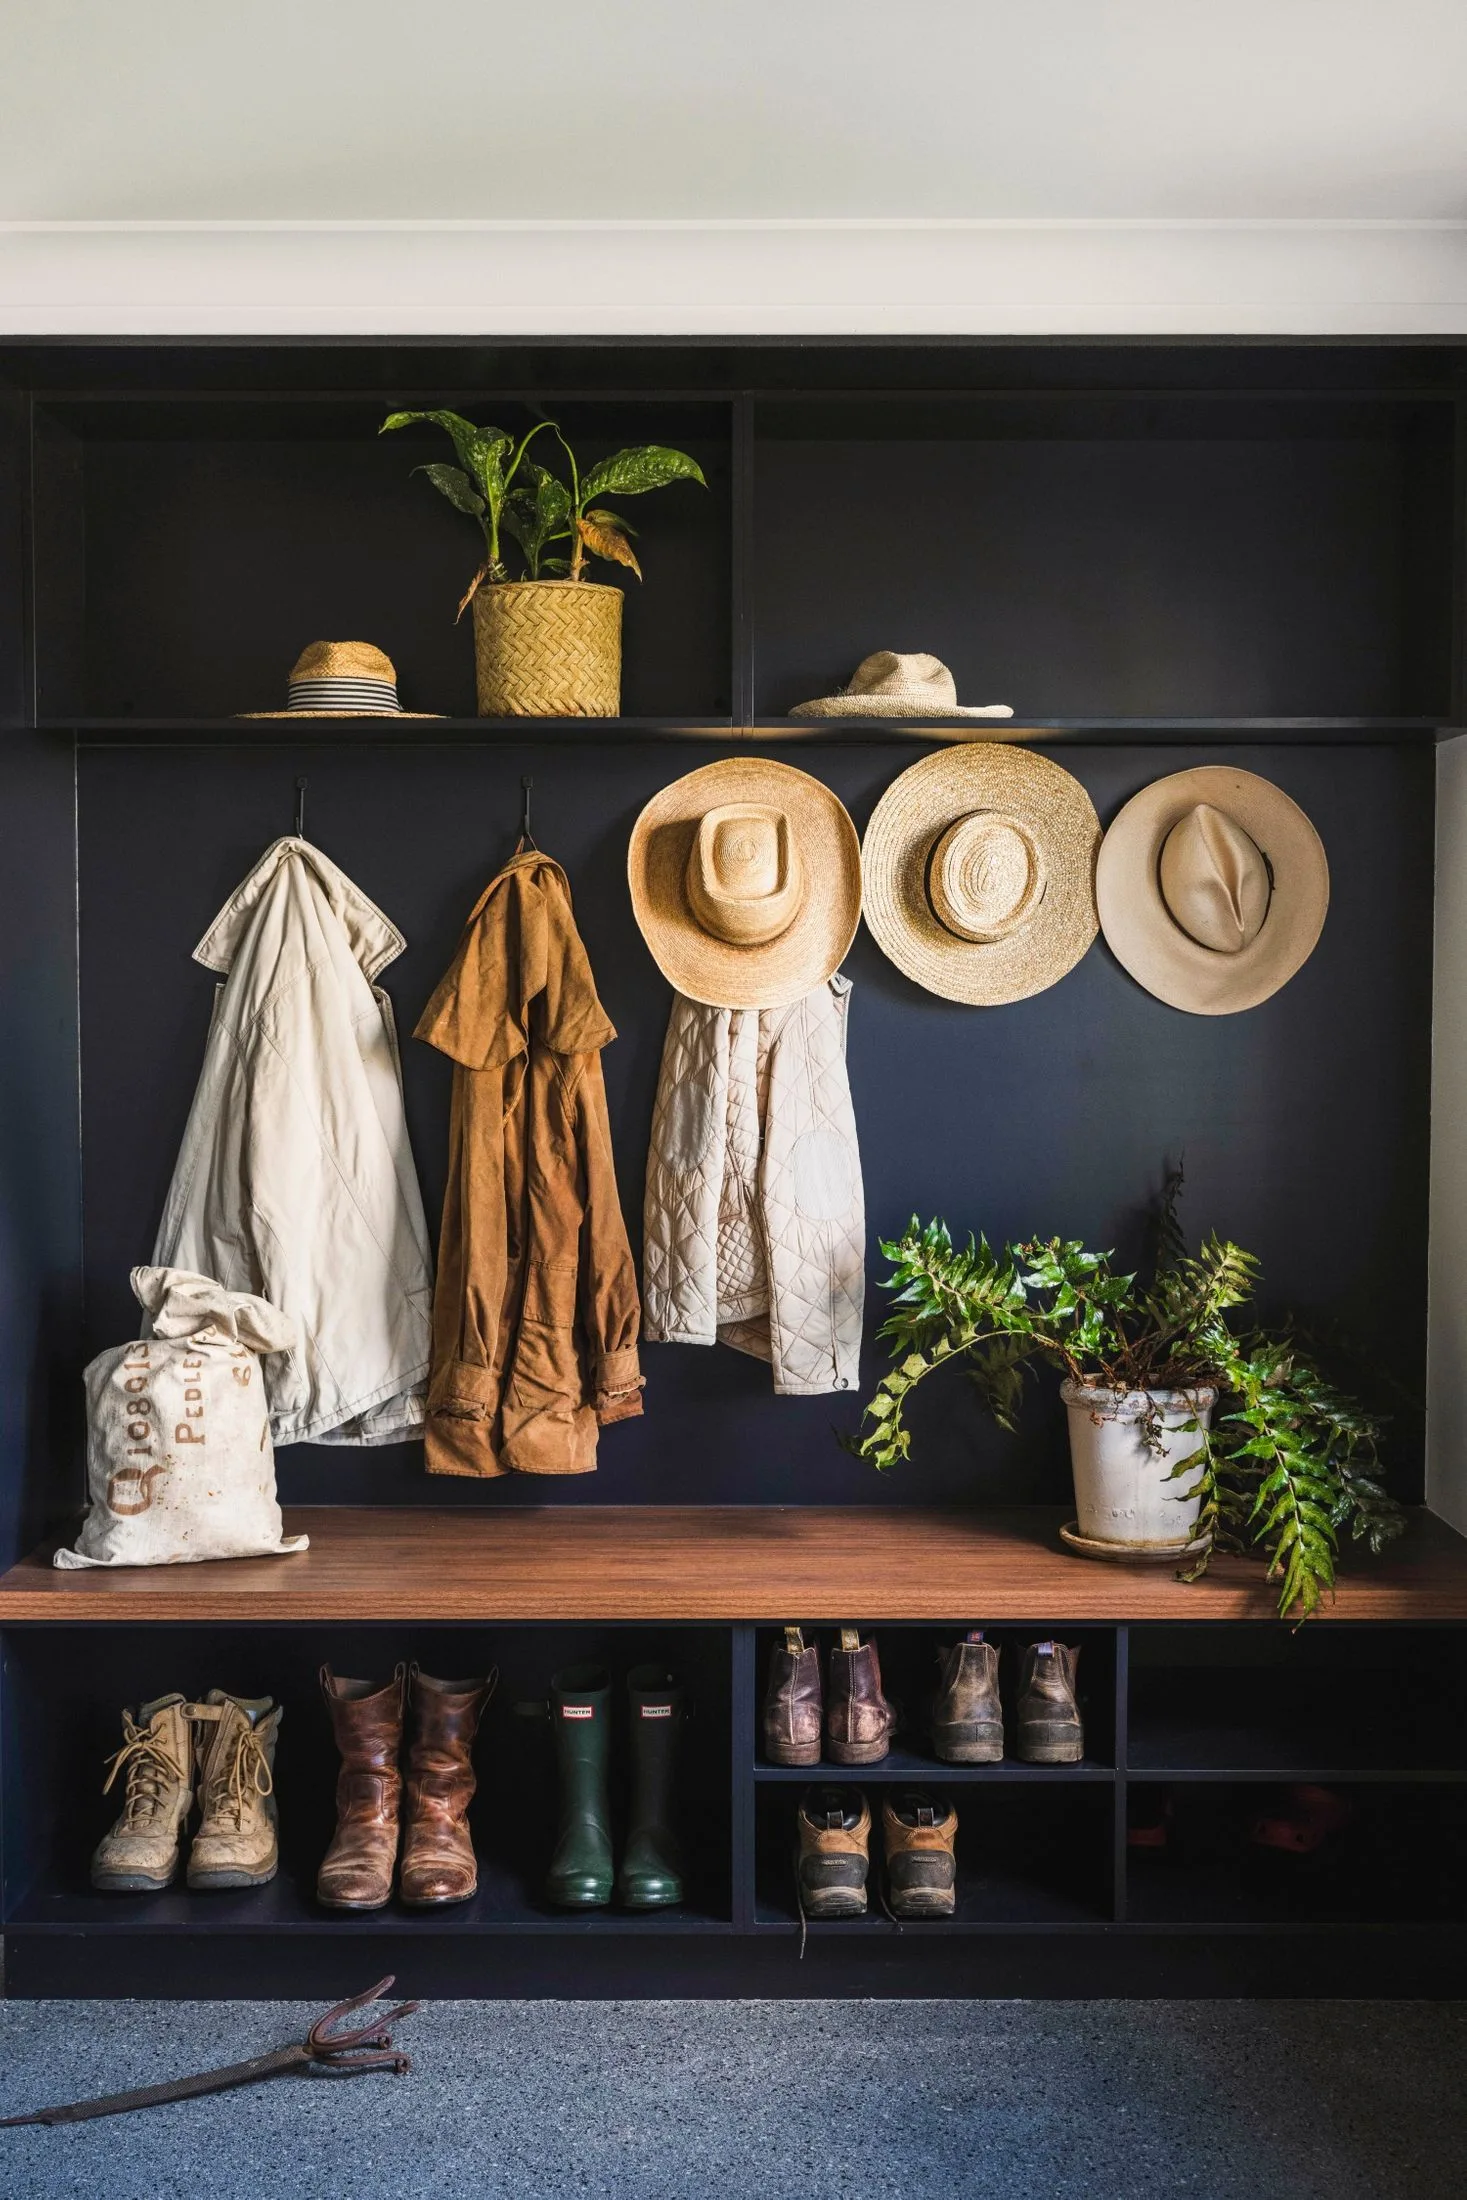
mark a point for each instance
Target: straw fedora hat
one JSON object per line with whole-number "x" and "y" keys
{"x": 342, "y": 680}
{"x": 979, "y": 866}
{"x": 888, "y": 685}
{"x": 1213, "y": 887}
{"x": 746, "y": 883}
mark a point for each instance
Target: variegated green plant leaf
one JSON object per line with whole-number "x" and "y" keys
{"x": 456, "y": 486}
{"x": 629, "y": 473}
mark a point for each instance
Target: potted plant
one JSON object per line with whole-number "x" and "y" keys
{"x": 548, "y": 645}
{"x": 1172, "y": 1402}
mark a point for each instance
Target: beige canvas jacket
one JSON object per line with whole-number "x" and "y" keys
{"x": 295, "y": 1181}
{"x": 754, "y": 1218}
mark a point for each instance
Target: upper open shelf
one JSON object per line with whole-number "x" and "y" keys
{"x": 834, "y": 1564}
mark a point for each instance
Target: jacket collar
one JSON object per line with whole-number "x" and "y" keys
{"x": 521, "y": 968}
{"x": 374, "y": 940}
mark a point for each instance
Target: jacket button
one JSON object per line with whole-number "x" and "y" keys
{"x": 841, "y": 1383}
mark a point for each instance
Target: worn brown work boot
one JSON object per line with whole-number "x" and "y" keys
{"x": 858, "y": 1718}
{"x": 834, "y": 1853}
{"x": 238, "y": 1843}
{"x": 966, "y": 1719}
{"x": 920, "y": 1832}
{"x": 356, "y": 1872}
{"x": 1050, "y": 1729}
{"x": 438, "y": 1861}
{"x": 793, "y": 1702}
{"x": 156, "y": 1763}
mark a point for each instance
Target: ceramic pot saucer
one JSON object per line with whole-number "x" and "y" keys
{"x": 1130, "y": 1554}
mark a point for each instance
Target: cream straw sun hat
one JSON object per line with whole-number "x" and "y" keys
{"x": 1213, "y": 887}
{"x": 342, "y": 680}
{"x": 889, "y": 685}
{"x": 979, "y": 866}
{"x": 746, "y": 883}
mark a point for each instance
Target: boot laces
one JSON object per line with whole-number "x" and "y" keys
{"x": 150, "y": 1772}
{"x": 242, "y": 1776}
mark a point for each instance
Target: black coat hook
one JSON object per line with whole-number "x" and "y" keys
{"x": 527, "y": 838}
{"x": 300, "y": 809}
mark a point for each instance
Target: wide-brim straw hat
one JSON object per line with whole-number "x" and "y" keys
{"x": 342, "y": 680}
{"x": 890, "y": 685}
{"x": 746, "y": 883}
{"x": 979, "y": 866}
{"x": 1213, "y": 887}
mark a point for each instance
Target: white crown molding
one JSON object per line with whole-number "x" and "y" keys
{"x": 878, "y": 277}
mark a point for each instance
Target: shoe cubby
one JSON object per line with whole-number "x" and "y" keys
{"x": 1024, "y": 1860}
{"x": 65, "y": 1693}
{"x": 909, "y": 1670}
{"x": 1393, "y": 1857}
{"x": 1161, "y": 556}
{"x": 1352, "y": 1699}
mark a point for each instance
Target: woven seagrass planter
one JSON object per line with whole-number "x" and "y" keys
{"x": 548, "y": 649}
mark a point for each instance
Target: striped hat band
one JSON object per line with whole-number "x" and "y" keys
{"x": 370, "y": 697}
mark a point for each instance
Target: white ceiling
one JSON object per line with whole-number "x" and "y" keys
{"x": 316, "y": 110}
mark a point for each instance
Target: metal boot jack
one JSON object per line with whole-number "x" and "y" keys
{"x": 323, "y": 2048}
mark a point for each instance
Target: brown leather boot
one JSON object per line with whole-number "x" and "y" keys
{"x": 920, "y": 1832}
{"x": 356, "y": 1873}
{"x": 793, "y": 1702}
{"x": 438, "y": 1861}
{"x": 967, "y": 1717}
{"x": 858, "y": 1718}
{"x": 1050, "y": 1729}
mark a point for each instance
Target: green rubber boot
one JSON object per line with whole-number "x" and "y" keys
{"x": 580, "y": 1712}
{"x": 651, "y": 1868}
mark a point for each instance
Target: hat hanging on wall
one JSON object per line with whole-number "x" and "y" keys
{"x": 888, "y": 685}
{"x": 746, "y": 883}
{"x": 979, "y": 868}
{"x": 1213, "y": 887}
{"x": 342, "y": 680}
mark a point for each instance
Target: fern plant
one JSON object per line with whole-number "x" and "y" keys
{"x": 1290, "y": 1462}
{"x": 509, "y": 493}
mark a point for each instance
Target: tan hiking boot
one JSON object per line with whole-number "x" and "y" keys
{"x": 156, "y": 1759}
{"x": 237, "y": 1844}
{"x": 834, "y": 1853}
{"x": 920, "y": 1834}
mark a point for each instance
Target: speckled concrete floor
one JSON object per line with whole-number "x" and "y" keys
{"x": 838, "y": 2100}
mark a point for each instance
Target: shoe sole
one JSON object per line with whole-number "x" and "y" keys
{"x": 221, "y": 1881}
{"x": 659, "y": 1902}
{"x": 436, "y": 1901}
{"x": 130, "y": 1883}
{"x": 334, "y": 1902}
{"x": 924, "y": 1902}
{"x": 580, "y": 1901}
{"x": 858, "y": 1753}
{"x": 1051, "y": 1746}
{"x": 792, "y": 1753}
{"x": 834, "y": 1902}
{"x": 968, "y": 1744}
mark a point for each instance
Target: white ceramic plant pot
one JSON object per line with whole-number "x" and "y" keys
{"x": 1122, "y": 1494}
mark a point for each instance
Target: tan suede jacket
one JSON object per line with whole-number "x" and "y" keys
{"x": 535, "y": 1315}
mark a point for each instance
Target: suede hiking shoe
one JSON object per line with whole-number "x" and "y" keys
{"x": 834, "y": 1853}
{"x": 156, "y": 1760}
{"x": 237, "y": 1844}
{"x": 920, "y": 1832}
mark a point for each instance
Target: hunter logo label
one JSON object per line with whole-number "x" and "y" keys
{"x": 657, "y": 1711}
{"x": 577, "y": 1710}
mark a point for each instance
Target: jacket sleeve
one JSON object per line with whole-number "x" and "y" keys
{"x": 610, "y": 1309}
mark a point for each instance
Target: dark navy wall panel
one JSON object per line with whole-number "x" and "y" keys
{"x": 1304, "y": 1122}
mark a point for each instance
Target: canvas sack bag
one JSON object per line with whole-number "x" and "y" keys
{"x": 180, "y": 1465}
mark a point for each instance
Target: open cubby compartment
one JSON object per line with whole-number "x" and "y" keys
{"x": 65, "y": 1688}
{"x": 1346, "y": 1698}
{"x": 187, "y": 550}
{"x": 909, "y": 1674}
{"x": 1026, "y": 1857}
{"x": 1396, "y": 1858}
{"x": 1084, "y": 556}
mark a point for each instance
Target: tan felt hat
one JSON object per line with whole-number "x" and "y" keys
{"x": 979, "y": 867}
{"x": 1213, "y": 887}
{"x": 746, "y": 882}
{"x": 342, "y": 680}
{"x": 888, "y": 685}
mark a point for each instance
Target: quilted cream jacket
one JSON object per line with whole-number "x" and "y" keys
{"x": 295, "y": 1181}
{"x": 754, "y": 1220}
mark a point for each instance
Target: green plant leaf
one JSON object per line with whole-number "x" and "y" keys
{"x": 629, "y": 473}
{"x": 456, "y": 486}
